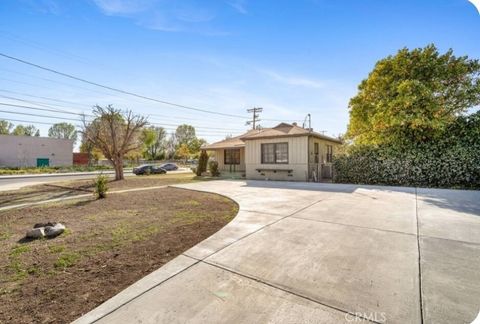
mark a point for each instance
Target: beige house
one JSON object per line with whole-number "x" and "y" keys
{"x": 284, "y": 152}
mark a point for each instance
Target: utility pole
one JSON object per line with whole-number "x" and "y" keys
{"x": 255, "y": 119}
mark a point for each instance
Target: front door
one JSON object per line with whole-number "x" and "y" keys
{"x": 42, "y": 162}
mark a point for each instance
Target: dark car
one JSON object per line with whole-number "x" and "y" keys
{"x": 148, "y": 169}
{"x": 169, "y": 166}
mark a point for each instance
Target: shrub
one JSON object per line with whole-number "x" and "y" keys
{"x": 101, "y": 186}
{"x": 213, "y": 168}
{"x": 449, "y": 161}
{"x": 202, "y": 163}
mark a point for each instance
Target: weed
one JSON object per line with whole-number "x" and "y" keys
{"x": 56, "y": 248}
{"x": 66, "y": 260}
{"x": 19, "y": 250}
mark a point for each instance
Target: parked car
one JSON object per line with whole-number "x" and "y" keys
{"x": 169, "y": 166}
{"x": 149, "y": 169}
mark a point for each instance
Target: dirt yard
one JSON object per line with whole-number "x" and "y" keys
{"x": 78, "y": 187}
{"x": 109, "y": 244}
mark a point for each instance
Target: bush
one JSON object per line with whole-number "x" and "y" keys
{"x": 426, "y": 166}
{"x": 101, "y": 186}
{"x": 450, "y": 161}
{"x": 202, "y": 163}
{"x": 213, "y": 168}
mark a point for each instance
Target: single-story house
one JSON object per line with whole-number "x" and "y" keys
{"x": 33, "y": 151}
{"x": 284, "y": 152}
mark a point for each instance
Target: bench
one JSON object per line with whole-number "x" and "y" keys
{"x": 274, "y": 170}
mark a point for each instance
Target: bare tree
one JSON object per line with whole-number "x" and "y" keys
{"x": 115, "y": 133}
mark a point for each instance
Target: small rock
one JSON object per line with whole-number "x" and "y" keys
{"x": 38, "y": 225}
{"x": 36, "y": 233}
{"x": 52, "y": 231}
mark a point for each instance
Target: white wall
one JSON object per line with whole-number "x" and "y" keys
{"x": 22, "y": 151}
{"x": 297, "y": 160}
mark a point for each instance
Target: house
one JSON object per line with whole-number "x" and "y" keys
{"x": 284, "y": 152}
{"x": 33, "y": 151}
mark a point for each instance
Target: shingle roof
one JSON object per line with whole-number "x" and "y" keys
{"x": 281, "y": 130}
{"x": 285, "y": 130}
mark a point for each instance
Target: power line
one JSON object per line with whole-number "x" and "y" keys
{"x": 116, "y": 89}
{"x": 90, "y": 115}
{"x": 200, "y": 132}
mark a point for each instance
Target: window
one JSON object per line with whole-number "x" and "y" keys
{"x": 275, "y": 153}
{"x": 316, "y": 152}
{"x": 232, "y": 156}
{"x": 329, "y": 153}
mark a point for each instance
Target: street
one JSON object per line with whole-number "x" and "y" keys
{"x": 20, "y": 181}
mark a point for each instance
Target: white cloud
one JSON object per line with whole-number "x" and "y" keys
{"x": 294, "y": 80}
{"x": 238, "y": 5}
{"x": 124, "y": 7}
{"x": 170, "y": 15}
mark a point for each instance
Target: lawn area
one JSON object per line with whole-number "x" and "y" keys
{"x": 109, "y": 244}
{"x": 78, "y": 187}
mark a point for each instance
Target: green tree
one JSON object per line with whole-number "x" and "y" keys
{"x": 154, "y": 139}
{"x": 185, "y": 134}
{"x": 63, "y": 131}
{"x": 183, "y": 152}
{"x": 29, "y": 130}
{"x": 5, "y": 127}
{"x": 412, "y": 97}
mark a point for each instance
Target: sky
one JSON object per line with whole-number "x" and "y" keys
{"x": 292, "y": 58}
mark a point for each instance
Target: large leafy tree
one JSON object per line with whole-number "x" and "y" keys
{"x": 29, "y": 130}
{"x": 115, "y": 133}
{"x": 63, "y": 131}
{"x": 154, "y": 139}
{"x": 5, "y": 127}
{"x": 185, "y": 134}
{"x": 412, "y": 97}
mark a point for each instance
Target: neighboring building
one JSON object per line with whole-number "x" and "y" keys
{"x": 32, "y": 151}
{"x": 284, "y": 152}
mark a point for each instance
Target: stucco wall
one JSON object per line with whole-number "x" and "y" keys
{"x": 22, "y": 151}
{"x": 219, "y": 157}
{"x": 297, "y": 160}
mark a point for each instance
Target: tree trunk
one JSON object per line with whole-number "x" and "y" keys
{"x": 118, "y": 165}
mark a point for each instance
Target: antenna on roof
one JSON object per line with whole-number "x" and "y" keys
{"x": 255, "y": 119}
{"x": 309, "y": 122}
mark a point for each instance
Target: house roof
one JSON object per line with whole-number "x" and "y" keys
{"x": 281, "y": 130}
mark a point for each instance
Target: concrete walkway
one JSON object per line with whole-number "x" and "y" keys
{"x": 319, "y": 253}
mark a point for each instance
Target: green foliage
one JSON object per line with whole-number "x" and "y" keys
{"x": 451, "y": 161}
{"x": 412, "y": 97}
{"x": 63, "y": 131}
{"x": 28, "y": 130}
{"x": 5, "y": 127}
{"x": 202, "y": 163}
{"x": 101, "y": 186}
{"x": 185, "y": 135}
{"x": 154, "y": 140}
{"x": 66, "y": 260}
{"x": 213, "y": 168}
{"x": 183, "y": 152}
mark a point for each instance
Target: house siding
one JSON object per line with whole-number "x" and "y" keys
{"x": 323, "y": 169}
{"x": 219, "y": 157}
{"x": 297, "y": 160}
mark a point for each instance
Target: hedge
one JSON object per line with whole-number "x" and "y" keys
{"x": 452, "y": 161}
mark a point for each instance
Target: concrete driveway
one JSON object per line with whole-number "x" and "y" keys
{"x": 319, "y": 253}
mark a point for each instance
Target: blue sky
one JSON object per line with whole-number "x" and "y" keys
{"x": 289, "y": 57}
